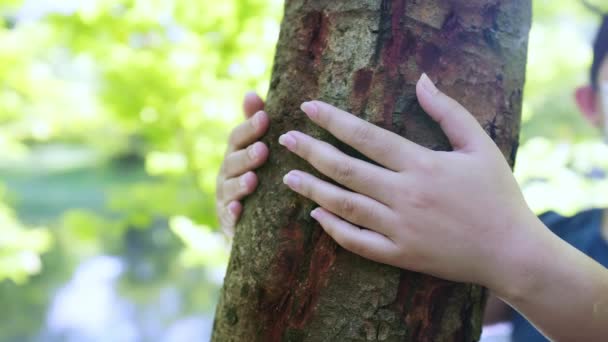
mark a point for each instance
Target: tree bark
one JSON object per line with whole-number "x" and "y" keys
{"x": 287, "y": 280}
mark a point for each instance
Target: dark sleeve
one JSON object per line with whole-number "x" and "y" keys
{"x": 554, "y": 221}
{"x": 578, "y": 230}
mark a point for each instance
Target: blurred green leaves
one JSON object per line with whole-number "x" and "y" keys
{"x": 561, "y": 160}
{"x": 204, "y": 246}
{"x": 114, "y": 116}
{"x": 132, "y": 81}
{"x": 20, "y": 247}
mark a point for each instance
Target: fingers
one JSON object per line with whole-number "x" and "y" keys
{"x": 229, "y": 192}
{"x": 366, "y": 243}
{"x": 229, "y": 216}
{"x": 380, "y": 145}
{"x": 248, "y": 132}
{"x": 252, "y": 104}
{"x": 234, "y": 189}
{"x": 355, "y": 174}
{"x": 461, "y": 128}
{"x": 239, "y": 162}
{"x": 231, "y": 188}
{"x": 358, "y": 209}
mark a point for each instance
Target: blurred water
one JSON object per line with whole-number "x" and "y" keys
{"x": 89, "y": 308}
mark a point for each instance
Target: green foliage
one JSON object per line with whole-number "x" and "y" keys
{"x": 114, "y": 116}
{"x": 204, "y": 247}
{"x": 559, "y": 149}
{"x": 20, "y": 247}
{"x": 136, "y": 80}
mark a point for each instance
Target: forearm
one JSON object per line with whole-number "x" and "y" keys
{"x": 560, "y": 290}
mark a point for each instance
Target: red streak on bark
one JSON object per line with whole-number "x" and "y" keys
{"x": 490, "y": 14}
{"x": 323, "y": 257}
{"x": 288, "y": 300}
{"x": 424, "y": 306}
{"x": 425, "y": 310}
{"x": 276, "y": 298}
{"x": 318, "y": 24}
{"x": 403, "y": 292}
{"x": 393, "y": 55}
{"x": 362, "y": 83}
{"x": 428, "y": 56}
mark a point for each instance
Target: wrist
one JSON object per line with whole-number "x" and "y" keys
{"x": 520, "y": 258}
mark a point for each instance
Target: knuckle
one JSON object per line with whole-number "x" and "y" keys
{"x": 347, "y": 207}
{"x": 362, "y": 134}
{"x": 226, "y": 219}
{"x": 225, "y": 190}
{"x": 232, "y": 189}
{"x": 427, "y": 165}
{"x": 386, "y": 149}
{"x": 344, "y": 171}
{"x": 233, "y": 137}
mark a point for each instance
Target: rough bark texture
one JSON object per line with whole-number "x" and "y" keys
{"x": 287, "y": 280}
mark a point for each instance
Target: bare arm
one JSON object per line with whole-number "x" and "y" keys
{"x": 560, "y": 290}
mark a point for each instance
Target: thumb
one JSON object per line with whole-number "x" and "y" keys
{"x": 461, "y": 128}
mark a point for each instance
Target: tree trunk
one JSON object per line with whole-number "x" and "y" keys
{"x": 287, "y": 280}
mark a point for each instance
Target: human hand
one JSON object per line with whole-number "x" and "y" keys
{"x": 449, "y": 214}
{"x": 236, "y": 178}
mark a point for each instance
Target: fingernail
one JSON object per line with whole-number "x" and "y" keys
{"x": 232, "y": 207}
{"x": 311, "y": 109}
{"x": 315, "y": 214}
{"x": 292, "y": 180}
{"x": 288, "y": 141}
{"x": 232, "y": 210}
{"x": 253, "y": 151}
{"x": 428, "y": 85}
